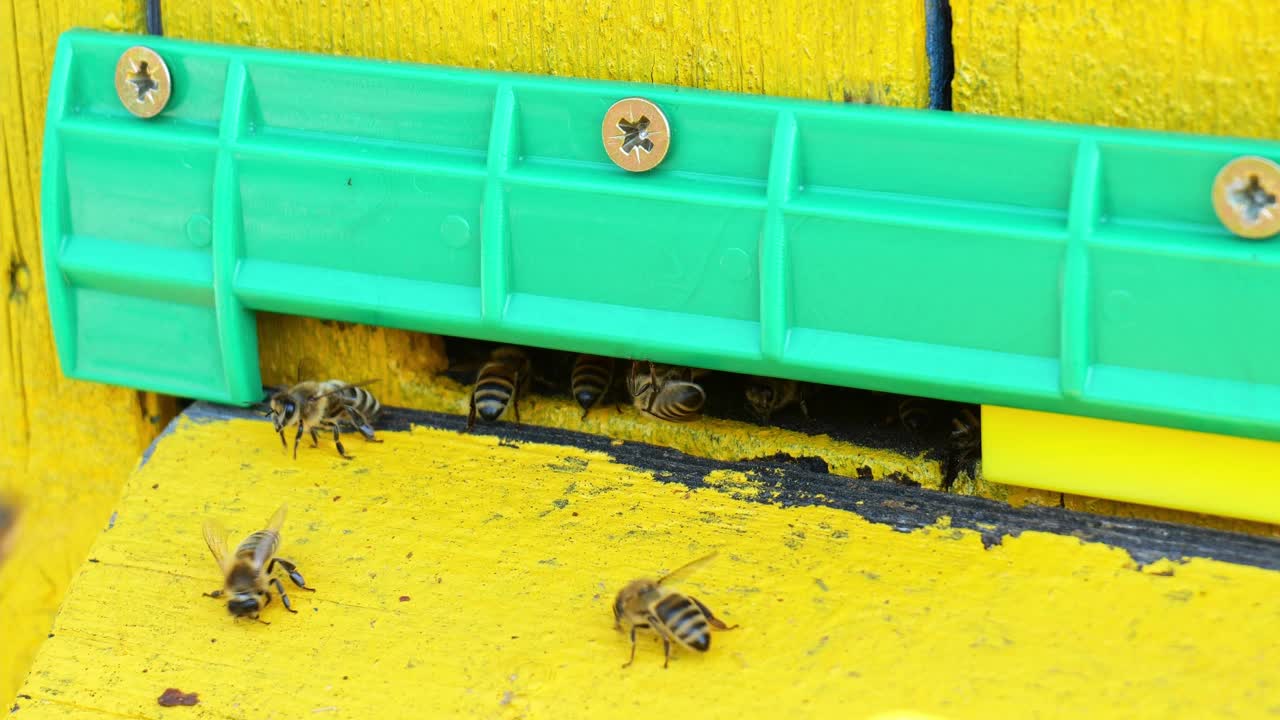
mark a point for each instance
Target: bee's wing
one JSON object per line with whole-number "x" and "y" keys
{"x": 344, "y": 386}
{"x": 215, "y": 536}
{"x": 264, "y": 550}
{"x": 685, "y": 570}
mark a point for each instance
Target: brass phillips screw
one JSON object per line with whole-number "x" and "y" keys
{"x": 1246, "y": 197}
{"x": 636, "y": 134}
{"x": 143, "y": 82}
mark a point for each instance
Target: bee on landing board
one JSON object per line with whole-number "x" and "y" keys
{"x": 315, "y": 406}
{"x": 666, "y": 392}
{"x": 590, "y": 381}
{"x": 247, "y": 572}
{"x": 500, "y": 382}
{"x": 767, "y": 395}
{"x": 676, "y": 618}
{"x": 964, "y": 445}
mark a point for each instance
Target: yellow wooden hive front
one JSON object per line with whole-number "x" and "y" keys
{"x": 508, "y": 591}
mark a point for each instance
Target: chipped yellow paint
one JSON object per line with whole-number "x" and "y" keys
{"x": 1165, "y": 65}
{"x": 457, "y": 576}
{"x": 738, "y": 484}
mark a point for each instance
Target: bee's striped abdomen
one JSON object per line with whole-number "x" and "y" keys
{"x": 677, "y": 401}
{"x": 362, "y": 402}
{"x": 590, "y": 380}
{"x": 494, "y": 388}
{"x": 249, "y": 547}
{"x": 915, "y": 414}
{"x": 684, "y": 621}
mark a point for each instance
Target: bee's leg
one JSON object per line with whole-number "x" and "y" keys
{"x": 471, "y": 415}
{"x": 337, "y": 440}
{"x": 633, "y": 646}
{"x": 804, "y": 409}
{"x": 362, "y": 425}
{"x": 283, "y": 443}
{"x": 284, "y": 596}
{"x": 315, "y": 438}
{"x": 292, "y": 569}
{"x": 297, "y": 439}
{"x": 214, "y": 594}
{"x": 515, "y": 397}
{"x": 654, "y": 386}
{"x": 715, "y": 622}
{"x": 666, "y": 652}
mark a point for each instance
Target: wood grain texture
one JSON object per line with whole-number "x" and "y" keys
{"x": 66, "y": 447}
{"x": 465, "y": 575}
{"x": 1204, "y": 67}
{"x": 816, "y": 50}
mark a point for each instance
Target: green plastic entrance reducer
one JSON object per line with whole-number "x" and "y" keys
{"x": 1034, "y": 265}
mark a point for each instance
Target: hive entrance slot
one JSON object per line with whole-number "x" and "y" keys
{"x": 946, "y": 432}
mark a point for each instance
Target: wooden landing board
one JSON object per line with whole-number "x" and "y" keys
{"x": 474, "y": 574}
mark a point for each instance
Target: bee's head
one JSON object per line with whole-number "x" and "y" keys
{"x": 760, "y": 397}
{"x": 618, "y": 608}
{"x": 242, "y": 604}
{"x": 632, "y": 600}
{"x": 284, "y": 410}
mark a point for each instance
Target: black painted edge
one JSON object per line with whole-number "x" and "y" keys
{"x": 940, "y": 51}
{"x": 901, "y": 507}
{"x": 155, "y": 22}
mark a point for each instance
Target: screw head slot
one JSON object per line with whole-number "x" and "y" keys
{"x": 143, "y": 82}
{"x": 636, "y": 134}
{"x": 1246, "y": 197}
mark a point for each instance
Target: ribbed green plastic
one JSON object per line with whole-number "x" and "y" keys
{"x": 1036, "y": 265}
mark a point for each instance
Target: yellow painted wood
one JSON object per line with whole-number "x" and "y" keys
{"x": 408, "y": 366}
{"x": 65, "y": 447}
{"x": 457, "y": 576}
{"x": 819, "y": 50}
{"x": 789, "y": 48}
{"x": 1164, "y": 65}
{"x": 812, "y": 50}
{"x": 1229, "y": 476}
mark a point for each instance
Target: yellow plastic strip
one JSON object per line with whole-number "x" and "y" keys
{"x": 1180, "y": 469}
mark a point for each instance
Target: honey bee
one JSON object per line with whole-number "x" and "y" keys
{"x": 9, "y": 518}
{"x": 667, "y": 392}
{"x": 590, "y": 381}
{"x": 767, "y": 395}
{"x": 915, "y": 414}
{"x": 964, "y": 445}
{"x": 247, "y": 573}
{"x": 501, "y": 381}
{"x": 647, "y": 603}
{"x": 314, "y": 406}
